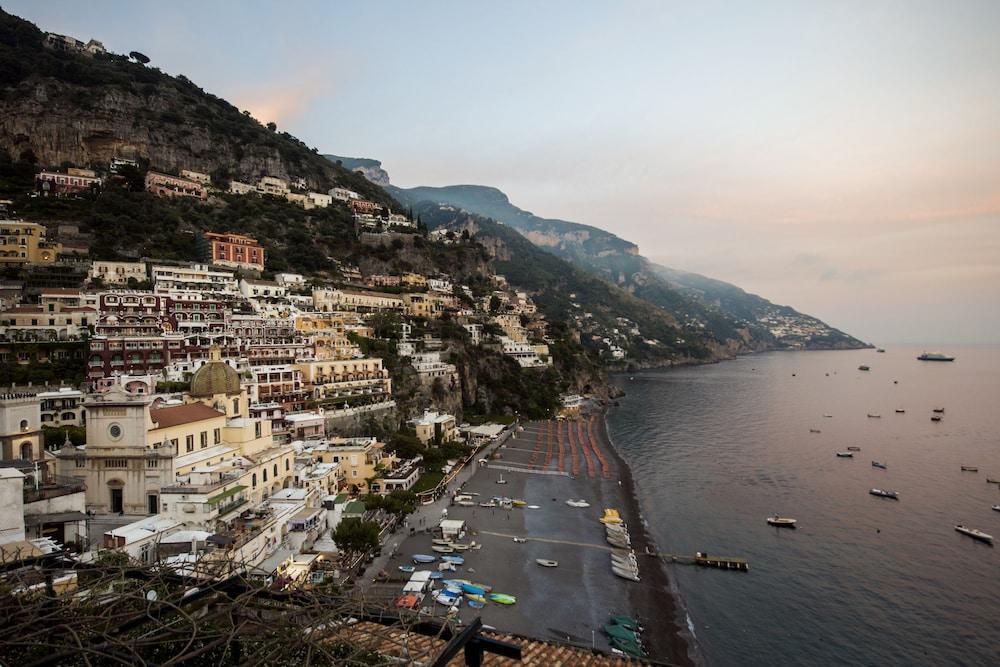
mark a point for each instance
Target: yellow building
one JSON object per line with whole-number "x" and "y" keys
{"x": 24, "y": 243}
{"x": 359, "y": 459}
{"x": 344, "y": 378}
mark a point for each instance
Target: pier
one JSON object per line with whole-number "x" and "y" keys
{"x": 704, "y": 560}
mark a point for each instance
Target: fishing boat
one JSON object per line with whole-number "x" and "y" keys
{"x": 827, "y": 415}
{"x": 476, "y": 597}
{"x": 940, "y": 411}
{"x": 935, "y": 356}
{"x": 459, "y": 546}
{"x": 625, "y": 574}
{"x": 544, "y": 562}
{"x": 970, "y": 469}
{"x": 474, "y": 589}
{"x": 441, "y": 542}
{"x": 990, "y": 480}
{"x": 814, "y": 430}
{"x": 423, "y": 558}
{"x": 781, "y": 521}
{"x": 846, "y": 455}
{"x": 616, "y": 528}
{"x": 936, "y": 418}
{"x": 874, "y": 415}
{"x": 900, "y": 411}
{"x": 974, "y": 534}
{"x": 520, "y": 540}
{"x": 406, "y": 568}
{"x": 883, "y": 493}
{"x": 878, "y": 464}
{"x": 447, "y": 597}
{"x": 617, "y": 542}
{"x": 465, "y": 503}
{"x": 501, "y": 480}
{"x": 489, "y": 504}
{"x": 863, "y": 367}
{"x": 610, "y": 516}
{"x": 436, "y": 575}
{"x": 854, "y": 448}
{"x": 446, "y": 567}
{"x": 518, "y": 502}
{"x": 578, "y": 503}
{"x": 502, "y": 598}
{"x": 628, "y": 563}
{"x": 442, "y": 549}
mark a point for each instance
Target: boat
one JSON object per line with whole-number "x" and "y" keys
{"x": 938, "y": 410}
{"x": 473, "y": 589}
{"x": 883, "y": 493}
{"x": 881, "y": 350}
{"x": 610, "y": 516}
{"x": 935, "y": 356}
{"x": 534, "y": 507}
{"x": 465, "y": 503}
{"x": 814, "y": 430}
{"x": 632, "y": 649}
{"x": 624, "y": 573}
{"x": 618, "y": 542}
{"x": 874, "y": 415}
{"x": 626, "y": 622}
{"x": 518, "y": 503}
{"x": 936, "y": 418}
{"x": 476, "y": 597}
{"x": 502, "y": 598}
{"x": 846, "y": 455}
{"x": 781, "y": 521}
{"x": 970, "y": 469}
{"x": 620, "y": 631}
{"x": 501, "y": 480}
{"x": 629, "y": 563}
{"x": 447, "y": 598}
{"x": 436, "y": 575}
{"x": 863, "y": 367}
{"x": 974, "y": 534}
{"x": 854, "y": 448}
{"x": 990, "y": 480}
{"x": 457, "y": 560}
{"x": 879, "y": 464}
{"x": 440, "y": 542}
{"x": 406, "y": 568}
{"x": 520, "y": 540}
{"x": 900, "y": 411}
{"x": 476, "y": 604}
{"x": 827, "y": 415}
{"x": 578, "y": 503}
{"x": 544, "y": 562}
{"x": 446, "y": 566}
{"x": 458, "y": 546}
{"x": 423, "y": 558}
{"x": 996, "y": 508}
{"x": 489, "y": 504}
{"x": 442, "y": 549}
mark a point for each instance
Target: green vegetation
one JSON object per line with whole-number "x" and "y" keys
{"x": 54, "y": 437}
{"x": 429, "y": 480}
{"x": 355, "y": 535}
{"x": 398, "y": 502}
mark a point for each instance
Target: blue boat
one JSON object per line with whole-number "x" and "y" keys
{"x": 406, "y": 568}
{"x": 436, "y": 575}
{"x": 476, "y": 604}
{"x": 474, "y": 590}
{"x": 457, "y": 560}
{"x": 423, "y": 558}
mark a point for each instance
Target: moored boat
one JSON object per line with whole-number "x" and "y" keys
{"x": 781, "y": 521}
{"x": 441, "y": 542}
{"x": 935, "y": 356}
{"x": 406, "y": 568}
{"x": 545, "y": 562}
{"x": 814, "y": 430}
{"x": 900, "y": 411}
{"x": 974, "y": 533}
{"x": 970, "y": 469}
{"x": 458, "y": 546}
{"x": 938, "y": 410}
{"x": 846, "y": 455}
{"x": 864, "y": 367}
{"x": 854, "y": 448}
{"x": 990, "y": 480}
{"x": 423, "y": 558}
{"x": 502, "y": 598}
{"x": 442, "y": 549}
{"x": 996, "y": 508}
{"x": 936, "y": 418}
{"x": 457, "y": 560}
{"x": 884, "y": 493}
{"x": 624, "y": 573}
{"x": 874, "y": 415}
{"x": 879, "y": 464}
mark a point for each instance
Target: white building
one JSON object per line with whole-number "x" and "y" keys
{"x": 117, "y": 273}
{"x": 197, "y": 277}
{"x": 343, "y": 194}
{"x": 290, "y": 280}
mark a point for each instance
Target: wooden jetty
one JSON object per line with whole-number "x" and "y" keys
{"x": 702, "y": 559}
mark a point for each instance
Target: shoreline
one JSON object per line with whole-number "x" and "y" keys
{"x": 676, "y": 645}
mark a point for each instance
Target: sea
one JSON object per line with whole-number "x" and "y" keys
{"x": 862, "y": 580}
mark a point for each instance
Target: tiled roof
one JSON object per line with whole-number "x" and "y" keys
{"x": 182, "y": 414}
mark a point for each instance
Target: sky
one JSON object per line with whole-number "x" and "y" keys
{"x": 839, "y": 157}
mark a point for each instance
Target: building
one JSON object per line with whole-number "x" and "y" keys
{"x": 269, "y": 185}
{"x": 196, "y": 176}
{"x": 196, "y": 277}
{"x": 118, "y": 163}
{"x": 67, "y": 44}
{"x": 421, "y": 305}
{"x": 357, "y": 458}
{"x": 118, "y": 273}
{"x": 46, "y": 322}
{"x": 20, "y": 427}
{"x": 365, "y": 207}
{"x": 433, "y": 426}
{"x": 62, "y": 407}
{"x": 343, "y": 194}
{"x": 336, "y": 381}
{"x": 319, "y": 200}
{"x": 74, "y": 181}
{"x": 401, "y": 477}
{"x": 23, "y": 243}
{"x": 236, "y": 250}
{"x": 327, "y": 300}
{"x": 290, "y": 280}
{"x": 165, "y": 185}
{"x": 262, "y": 289}
{"x": 237, "y": 188}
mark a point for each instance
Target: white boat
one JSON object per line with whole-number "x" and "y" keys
{"x": 854, "y": 448}
{"x": 625, "y": 562}
{"x": 489, "y": 504}
{"x": 996, "y": 508}
{"x": 884, "y": 493}
{"x": 465, "y": 503}
{"x": 547, "y": 563}
{"x": 501, "y": 480}
{"x": 442, "y": 543}
{"x": 970, "y": 469}
{"x": 578, "y": 503}
{"x": 781, "y": 521}
{"x": 874, "y": 415}
{"x": 900, "y": 411}
{"x": 625, "y": 574}
{"x": 879, "y": 464}
{"x": 520, "y": 540}
{"x": 846, "y": 455}
{"x": 828, "y": 415}
{"x": 458, "y": 546}
{"x": 974, "y": 534}
{"x": 441, "y": 549}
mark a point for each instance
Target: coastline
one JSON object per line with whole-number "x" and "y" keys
{"x": 675, "y": 644}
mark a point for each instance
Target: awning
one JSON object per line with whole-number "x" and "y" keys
{"x": 56, "y": 517}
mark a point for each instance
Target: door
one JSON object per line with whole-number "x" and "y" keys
{"x": 152, "y": 501}
{"x": 117, "y": 506}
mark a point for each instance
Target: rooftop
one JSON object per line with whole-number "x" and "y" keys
{"x": 183, "y": 414}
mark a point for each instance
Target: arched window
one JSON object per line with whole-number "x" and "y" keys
{"x": 253, "y": 480}
{"x": 265, "y": 474}
{"x": 24, "y": 424}
{"x": 26, "y": 451}
{"x": 286, "y": 465}
{"x": 275, "y": 469}
{"x": 236, "y": 406}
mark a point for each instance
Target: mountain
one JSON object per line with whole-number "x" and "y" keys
{"x": 716, "y": 305}
{"x": 370, "y": 169}
{"x": 61, "y": 107}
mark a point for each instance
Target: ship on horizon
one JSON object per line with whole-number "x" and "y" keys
{"x": 935, "y": 356}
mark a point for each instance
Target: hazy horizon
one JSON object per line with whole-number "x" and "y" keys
{"x": 839, "y": 158}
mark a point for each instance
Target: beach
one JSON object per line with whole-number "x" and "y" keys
{"x": 546, "y": 464}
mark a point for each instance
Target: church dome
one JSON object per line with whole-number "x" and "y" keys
{"x": 215, "y": 377}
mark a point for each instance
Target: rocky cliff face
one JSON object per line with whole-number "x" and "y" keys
{"x": 370, "y": 169}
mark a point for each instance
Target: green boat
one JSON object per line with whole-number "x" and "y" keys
{"x": 620, "y": 632}
{"x": 626, "y": 621}
{"x": 502, "y": 598}
{"x": 629, "y": 648}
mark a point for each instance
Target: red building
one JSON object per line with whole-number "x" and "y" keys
{"x": 236, "y": 250}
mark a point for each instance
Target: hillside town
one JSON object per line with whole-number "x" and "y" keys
{"x": 226, "y": 416}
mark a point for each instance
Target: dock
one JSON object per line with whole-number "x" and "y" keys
{"x": 704, "y": 560}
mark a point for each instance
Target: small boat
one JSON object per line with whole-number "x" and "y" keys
{"x": 935, "y": 356}
{"x": 578, "y": 503}
{"x": 874, "y": 415}
{"x": 465, "y": 503}
{"x": 828, "y": 415}
{"x": 626, "y": 622}
{"x": 441, "y": 549}
{"x": 438, "y": 541}
{"x": 974, "y": 534}
{"x": 936, "y": 418}
{"x": 446, "y": 567}
{"x": 406, "y": 568}
{"x": 534, "y": 507}
{"x": 854, "y": 448}
{"x": 900, "y": 411}
{"x": 457, "y": 560}
{"x": 879, "y": 464}
{"x": 502, "y": 598}
{"x": 620, "y": 631}
{"x": 990, "y": 480}
{"x": 518, "y": 503}
{"x": 501, "y": 480}
{"x": 881, "y": 350}
{"x": 472, "y": 589}
{"x": 938, "y": 410}
{"x": 863, "y": 367}
{"x": 458, "y": 546}
{"x": 846, "y": 455}
{"x": 970, "y": 469}
{"x": 629, "y": 563}
{"x": 625, "y": 574}
{"x": 544, "y": 562}
{"x": 423, "y": 558}
{"x": 781, "y": 521}
{"x": 476, "y": 597}
{"x": 814, "y": 430}
{"x": 489, "y": 504}
{"x": 520, "y": 540}
{"x": 447, "y": 598}
{"x": 621, "y": 543}
{"x": 883, "y": 493}
{"x": 996, "y": 508}
{"x": 436, "y": 575}
{"x": 610, "y": 516}
{"x": 476, "y": 604}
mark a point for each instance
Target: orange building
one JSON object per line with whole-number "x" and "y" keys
{"x": 236, "y": 250}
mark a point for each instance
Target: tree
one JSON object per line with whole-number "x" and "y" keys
{"x": 139, "y": 57}
{"x": 396, "y": 502}
{"x": 272, "y": 126}
{"x": 355, "y": 535}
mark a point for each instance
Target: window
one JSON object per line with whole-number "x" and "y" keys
{"x": 275, "y": 469}
{"x": 204, "y": 439}
{"x": 81, "y": 463}
{"x": 286, "y": 465}
{"x": 115, "y": 431}
{"x": 256, "y": 428}
{"x": 265, "y": 474}
{"x": 236, "y": 406}
{"x": 175, "y": 444}
{"x": 152, "y": 463}
{"x": 253, "y": 480}
{"x": 189, "y": 443}
{"x": 115, "y": 463}
{"x": 217, "y": 435}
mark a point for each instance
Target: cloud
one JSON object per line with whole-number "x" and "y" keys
{"x": 290, "y": 96}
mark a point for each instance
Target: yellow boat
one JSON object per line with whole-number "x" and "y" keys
{"x": 477, "y": 598}
{"x": 519, "y": 503}
{"x": 611, "y": 516}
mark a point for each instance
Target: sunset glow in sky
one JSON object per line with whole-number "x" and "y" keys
{"x": 841, "y": 157}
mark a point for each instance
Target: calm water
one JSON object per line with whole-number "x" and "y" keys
{"x": 863, "y": 580}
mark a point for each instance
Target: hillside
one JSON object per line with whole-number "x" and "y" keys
{"x": 724, "y": 309}
{"x": 60, "y": 108}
